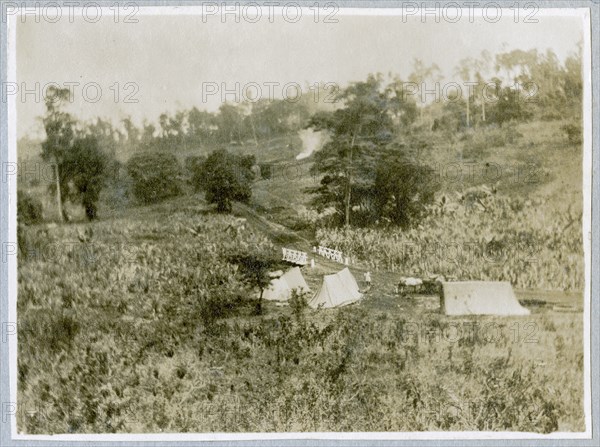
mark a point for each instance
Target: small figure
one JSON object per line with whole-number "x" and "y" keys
{"x": 368, "y": 279}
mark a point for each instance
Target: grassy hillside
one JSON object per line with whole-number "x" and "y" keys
{"x": 528, "y": 161}
{"x": 144, "y": 325}
{"x": 146, "y": 328}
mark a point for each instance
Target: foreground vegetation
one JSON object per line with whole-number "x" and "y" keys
{"x": 479, "y": 238}
{"x": 148, "y": 317}
{"x": 145, "y": 327}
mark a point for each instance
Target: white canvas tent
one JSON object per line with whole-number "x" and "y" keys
{"x": 337, "y": 290}
{"x": 480, "y": 298}
{"x": 281, "y": 288}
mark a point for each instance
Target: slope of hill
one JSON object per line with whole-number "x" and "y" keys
{"x": 149, "y": 316}
{"x": 536, "y": 160}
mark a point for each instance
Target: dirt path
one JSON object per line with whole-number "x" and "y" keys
{"x": 271, "y": 229}
{"x": 383, "y": 282}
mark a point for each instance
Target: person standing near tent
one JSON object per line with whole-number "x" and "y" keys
{"x": 368, "y": 279}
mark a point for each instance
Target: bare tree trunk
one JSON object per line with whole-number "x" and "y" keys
{"x": 349, "y": 181}
{"x": 483, "y": 109}
{"x": 58, "y": 198}
{"x": 348, "y": 195}
{"x": 259, "y": 304}
{"x": 468, "y": 111}
{"x": 253, "y": 128}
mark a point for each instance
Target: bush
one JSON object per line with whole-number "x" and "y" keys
{"x": 551, "y": 115}
{"x": 29, "y": 210}
{"x": 225, "y": 178}
{"x": 156, "y": 176}
{"x": 84, "y": 167}
{"x": 193, "y": 167}
{"x": 298, "y": 302}
{"x": 401, "y": 191}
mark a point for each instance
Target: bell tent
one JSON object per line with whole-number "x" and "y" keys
{"x": 281, "y": 288}
{"x": 337, "y": 290}
{"x": 480, "y": 298}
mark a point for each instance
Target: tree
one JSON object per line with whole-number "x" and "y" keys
{"x": 60, "y": 134}
{"x": 573, "y": 82}
{"x": 147, "y": 138}
{"x": 466, "y": 69}
{"x": 403, "y": 106}
{"x": 452, "y": 116}
{"x": 357, "y": 130}
{"x": 402, "y": 188}
{"x": 255, "y": 267}
{"x": 231, "y": 124}
{"x": 156, "y": 176}
{"x": 509, "y": 106}
{"x": 517, "y": 64}
{"x": 422, "y": 74}
{"x": 80, "y": 161}
{"x": 481, "y": 67}
{"x": 275, "y": 117}
{"x": 226, "y": 177}
{"x": 85, "y": 165}
{"x": 202, "y": 126}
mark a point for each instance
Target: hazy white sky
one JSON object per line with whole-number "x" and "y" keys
{"x": 170, "y": 57}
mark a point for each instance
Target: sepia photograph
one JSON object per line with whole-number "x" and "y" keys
{"x": 240, "y": 221}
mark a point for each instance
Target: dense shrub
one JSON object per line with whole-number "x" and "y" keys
{"x": 29, "y": 209}
{"x": 156, "y": 176}
{"x": 193, "y": 166}
{"x": 29, "y": 212}
{"x": 510, "y": 106}
{"x": 298, "y": 302}
{"x": 225, "y": 178}
{"x": 85, "y": 165}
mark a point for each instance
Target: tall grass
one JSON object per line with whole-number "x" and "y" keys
{"x": 153, "y": 331}
{"x": 508, "y": 240}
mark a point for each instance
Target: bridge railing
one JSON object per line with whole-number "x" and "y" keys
{"x": 295, "y": 256}
{"x": 331, "y": 254}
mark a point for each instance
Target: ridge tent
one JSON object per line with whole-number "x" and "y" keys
{"x": 337, "y": 290}
{"x": 480, "y": 298}
{"x": 348, "y": 279}
{"x": 281, "y": 288}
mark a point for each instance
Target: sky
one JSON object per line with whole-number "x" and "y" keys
{"x": 172, "y": 62}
